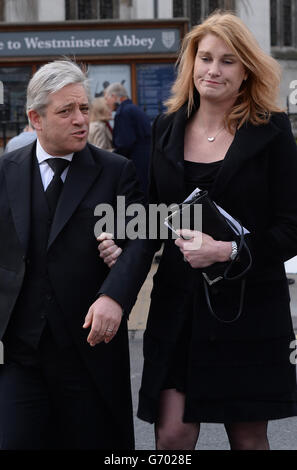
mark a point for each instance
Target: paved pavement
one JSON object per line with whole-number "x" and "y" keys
{"x": 282, "y": 433}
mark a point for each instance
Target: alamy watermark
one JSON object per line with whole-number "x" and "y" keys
{"x": 293, "y": 355}
{"x": 155, "y": 222}
{"x": 293, "y": 94}
{"x": 1, "y": 353}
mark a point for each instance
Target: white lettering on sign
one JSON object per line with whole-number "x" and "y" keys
{"x": 36, "y": 43}
{"x": 14, "y": 45}
{"x": 120, "y": 41}
{"x": 128, "y": 41}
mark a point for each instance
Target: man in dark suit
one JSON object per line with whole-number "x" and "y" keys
{"x": 65, "y": 382}
{"x": 132, "y": 131}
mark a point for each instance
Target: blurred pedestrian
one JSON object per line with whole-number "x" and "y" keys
{"x": 100, "y": 131}
{"x": 131, "y": 132}
{"x": 27, "y": 136}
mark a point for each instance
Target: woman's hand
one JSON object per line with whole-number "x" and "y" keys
{"x": 201, "y": 250}
{"x": 109, "y": 251}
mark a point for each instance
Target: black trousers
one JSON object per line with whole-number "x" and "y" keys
{"x": 49, "y": 401}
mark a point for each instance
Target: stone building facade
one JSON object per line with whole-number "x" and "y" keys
{"x": 274, "y": 22}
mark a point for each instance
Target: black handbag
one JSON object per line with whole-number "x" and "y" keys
{"x": 217, "y": 225}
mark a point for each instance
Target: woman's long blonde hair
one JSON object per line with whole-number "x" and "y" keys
{"x": 99, "y": 110}
{"x": 258, "y": 95}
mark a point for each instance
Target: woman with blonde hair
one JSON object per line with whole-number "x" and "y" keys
{"x": 224, "y": 132}
{"x": 100, "y": 132}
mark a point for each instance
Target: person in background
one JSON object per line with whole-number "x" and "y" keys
{"x": 223, "y": 132}
{"x": 131, "y": 131}
{"x": 100, "y": 131}
{"x": 24, "y": 138}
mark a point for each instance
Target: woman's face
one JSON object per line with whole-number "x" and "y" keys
{"x": 218, "y": 73}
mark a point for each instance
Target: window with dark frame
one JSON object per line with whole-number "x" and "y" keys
{"x": 214, "y": 5}
{"x": 86, "y": 9}
{"x": 91, "y": 9}
{"x": 106, "y": 10}
{"x": 178, "y": 9}
{"x": 283, "y": 23}
{"x": 1, "y": 10}
{"x": 273, "y": 22}
{"x": 12, "y": 112}
{"x": 287, "y": 6}
{"x": 198, "y": 10}
{"x": 195, "y": 12}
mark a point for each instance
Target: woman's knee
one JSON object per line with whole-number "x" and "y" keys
{"x": 181, "y": 437}
{"x": 248, "y": 436}
{"x": 171, "y": 431}
{"x": 249, "y": 443}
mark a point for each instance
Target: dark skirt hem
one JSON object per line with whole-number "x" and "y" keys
{"x": 226, "y": 412}
{"x": 251, "y": 417}
{"x": 203, "y": 418}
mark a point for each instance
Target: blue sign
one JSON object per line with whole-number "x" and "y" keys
{"x": 89, "y": 42}
{"x": 154, "y": 83}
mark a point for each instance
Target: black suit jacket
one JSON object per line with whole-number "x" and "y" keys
{"x": 75, "y": 269}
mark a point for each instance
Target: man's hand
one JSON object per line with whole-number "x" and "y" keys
{"x": 109, "y": 251}
{"x": 104, "y": 317}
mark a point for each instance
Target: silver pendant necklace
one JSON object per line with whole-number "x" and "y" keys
{"x": 213, "y": 138}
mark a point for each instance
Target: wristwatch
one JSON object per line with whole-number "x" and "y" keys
{"x": 233, "y": 251}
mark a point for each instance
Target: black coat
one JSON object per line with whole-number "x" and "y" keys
{"x": 132, "y": 138}
{"x": 75, "y": 270}
{"x": 257, "y": 185}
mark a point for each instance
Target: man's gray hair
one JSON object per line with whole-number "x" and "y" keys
{"x": 50, "y": 78}
{"x": 116, "y": 89}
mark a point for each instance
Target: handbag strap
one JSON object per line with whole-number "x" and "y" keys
{"x": 242, "y": 245}
{"x": 242, "y": 292}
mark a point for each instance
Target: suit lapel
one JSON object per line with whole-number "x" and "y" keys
{"x": 82, "y": 173}
{"x": 171, "y": 144}
{"x": 249, "y": 141}
{"x": 18, "y": 174}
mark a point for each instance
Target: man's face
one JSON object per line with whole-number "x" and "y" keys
{"x": 63, "y": 128}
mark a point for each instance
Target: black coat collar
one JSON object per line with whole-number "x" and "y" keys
{"x": 249, "y": 141}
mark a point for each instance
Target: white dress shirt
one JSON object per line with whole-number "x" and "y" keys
{"x": 45, "y": 170}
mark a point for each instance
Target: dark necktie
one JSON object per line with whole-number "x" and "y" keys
{"x": 54, "y": 189}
